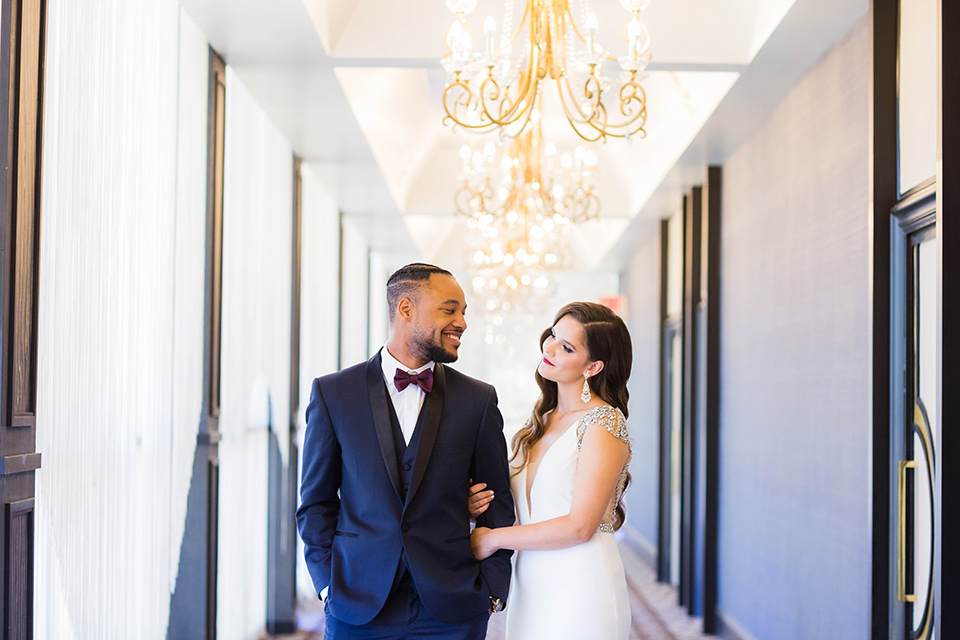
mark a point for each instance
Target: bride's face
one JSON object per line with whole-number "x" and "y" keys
{"x": 565, "y": 358}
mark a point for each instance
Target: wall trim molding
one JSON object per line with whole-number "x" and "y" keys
{"x": 636, "y": 541}
{"x": 729, "y": 628}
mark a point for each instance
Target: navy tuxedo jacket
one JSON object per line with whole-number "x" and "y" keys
{"x": 352, "y": 520}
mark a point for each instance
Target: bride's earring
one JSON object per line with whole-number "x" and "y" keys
{"x": 585, "y": 394}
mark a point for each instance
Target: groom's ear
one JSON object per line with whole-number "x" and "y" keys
{"x": 405, "y": 309}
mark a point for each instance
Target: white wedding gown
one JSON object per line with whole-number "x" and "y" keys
{"x": 577, "y": 593}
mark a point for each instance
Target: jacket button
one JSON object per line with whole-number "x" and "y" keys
{"x": 404, "y": 528}
{"x": 406, "y": 466}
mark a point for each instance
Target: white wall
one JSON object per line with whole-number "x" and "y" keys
{"x": 319, "y": 308}
{"x": 918, "y": 92}
{"x": 255, "y": 359}
{"x": 380, "y": 270}
{"x": 353, "y": 338}
{"x": 640, "y": 284}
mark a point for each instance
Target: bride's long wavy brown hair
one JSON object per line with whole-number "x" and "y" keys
{"x": 607, "y": 340}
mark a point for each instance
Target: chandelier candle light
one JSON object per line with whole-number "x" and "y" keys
{"x": 490, "y": 90}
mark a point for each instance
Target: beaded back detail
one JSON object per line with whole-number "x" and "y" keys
{"x": 613, "y": 420}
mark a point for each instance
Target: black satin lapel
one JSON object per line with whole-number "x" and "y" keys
{"x": 432, "y": 410}
{"x": 381, "y": 419}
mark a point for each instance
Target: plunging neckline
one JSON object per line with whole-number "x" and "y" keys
{"x": 528, "y": 485}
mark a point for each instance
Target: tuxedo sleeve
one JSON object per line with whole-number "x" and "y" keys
{"x": 490, "y": 465}
{"x": 319, "y": 489}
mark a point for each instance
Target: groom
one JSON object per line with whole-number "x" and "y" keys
{"x": 390, "y": 447}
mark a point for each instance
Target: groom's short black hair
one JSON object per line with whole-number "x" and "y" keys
{"x": 407, "y": 280}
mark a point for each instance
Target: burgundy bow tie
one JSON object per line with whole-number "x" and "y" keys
{"x": 424, "y": 380}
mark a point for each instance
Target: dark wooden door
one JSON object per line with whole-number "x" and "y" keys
{"x": 21, "y": 101}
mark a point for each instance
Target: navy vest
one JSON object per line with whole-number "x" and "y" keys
{"x": 406, "y": 458}
{"x": 406, "y": 453}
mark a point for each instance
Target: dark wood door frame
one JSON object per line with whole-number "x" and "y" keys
{"x": 23, "y": 35}
{"x": 664, "y": 508}
{"x": 947, "y": 576}
{"x": 282, "y": 484}
{"x": 699, "y": 324}
{"x": 193, "y": 605}
{"x": 710, "y": 449}
{"x": 914, "y": 219}
{"x": 689, "y": 411}
{"x": 886, "y": 229}
{"x": 883, "y": 191}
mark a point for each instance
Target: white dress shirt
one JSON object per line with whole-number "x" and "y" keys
{"x": 408, "y": 402}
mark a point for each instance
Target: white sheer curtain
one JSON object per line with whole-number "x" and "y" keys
{"x": 319, "y": 308}
{"x": 107, "y": 320}
{"x": 189, "y": 274}
{"x": 121, "y": 320}
{"x": 255, "y": 363}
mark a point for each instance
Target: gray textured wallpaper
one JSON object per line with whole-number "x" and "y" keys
{"x": 794, "y": 548}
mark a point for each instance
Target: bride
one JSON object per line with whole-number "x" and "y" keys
{"x": 569, "y": 471}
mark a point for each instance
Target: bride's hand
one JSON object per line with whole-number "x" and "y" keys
{"x": 482, "y": 543}
{"x": 479, "y": 500}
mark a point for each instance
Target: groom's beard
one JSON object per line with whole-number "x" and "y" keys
{"x": 429, "y": 349}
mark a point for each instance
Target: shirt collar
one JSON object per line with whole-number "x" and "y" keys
{"x": 391, "y": 364}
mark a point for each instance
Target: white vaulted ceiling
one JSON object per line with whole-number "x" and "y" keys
{"x": 355, "y": 85}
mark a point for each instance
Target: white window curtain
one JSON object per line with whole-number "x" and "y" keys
{"x": 319, "y": 309}
{"x": 255, "y": 361}
{"x": 107, "y": 333}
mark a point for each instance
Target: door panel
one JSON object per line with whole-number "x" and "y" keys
{"x": 917, "y": 472}
{"x": 676, "y": 453}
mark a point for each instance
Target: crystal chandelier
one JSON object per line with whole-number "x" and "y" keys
{"x": 527, "y": 174}
{"x": 490, "y": 89}
{"x": 521, "y": 198}
{"x": 513, "y": 262}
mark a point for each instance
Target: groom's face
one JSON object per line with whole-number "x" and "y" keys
{"x": 439, "y": 319}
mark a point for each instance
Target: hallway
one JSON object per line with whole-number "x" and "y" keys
{"x": 655, "y": 613}
{"x": 203, "y": 201}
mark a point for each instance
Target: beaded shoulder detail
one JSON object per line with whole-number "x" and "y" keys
{"x": 615, "y": 423}
{"x": 611, "y": 418}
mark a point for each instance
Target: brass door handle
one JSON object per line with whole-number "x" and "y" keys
{"x": 921, "y": 426}
{"x": 902, "y": 594}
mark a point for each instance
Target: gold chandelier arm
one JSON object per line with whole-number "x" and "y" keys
{"x": 509, "y": 109}
{"x": 635, "y": 94}
{"x": 576, "y": 113}
{"x": 462, "y": 200}
{"x": 580, "y": 119}
{"x": 573, "y": 23}
{"x": 523, "y": 19}
{"x": 525, "y": 114}
{"x": 630, "y": 93}
{"x": 464, "y": 98}
{"x": 490, "y": 91}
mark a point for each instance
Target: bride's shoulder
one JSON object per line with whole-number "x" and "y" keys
{"x": 609, "y": 417}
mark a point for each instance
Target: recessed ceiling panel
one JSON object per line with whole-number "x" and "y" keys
{"x": 720, "y": 32}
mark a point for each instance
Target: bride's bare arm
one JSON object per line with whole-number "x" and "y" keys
{"x": 602, "y": 457}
